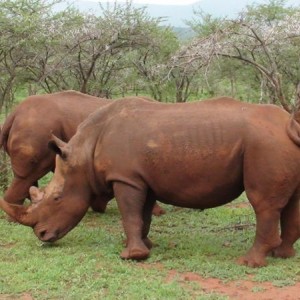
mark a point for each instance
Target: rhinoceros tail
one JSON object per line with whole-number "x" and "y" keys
{"x": 5, "y": 129}
{"x": 293, "y": 130}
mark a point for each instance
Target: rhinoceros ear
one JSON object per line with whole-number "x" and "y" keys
{"x": 58, "y": 146}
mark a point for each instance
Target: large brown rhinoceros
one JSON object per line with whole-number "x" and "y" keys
{"x": 197, "y": 155}
{"x": 27, "y": 130}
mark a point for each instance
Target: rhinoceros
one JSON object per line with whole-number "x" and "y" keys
{"x": 27, "y": 130}
{"x": 197, "y": 155}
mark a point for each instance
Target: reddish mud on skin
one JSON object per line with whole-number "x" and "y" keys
{"x": 226, "y": 147}
{"x": 27, "y": 130}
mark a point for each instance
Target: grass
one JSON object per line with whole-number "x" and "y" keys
{"x": 86, "y": 265}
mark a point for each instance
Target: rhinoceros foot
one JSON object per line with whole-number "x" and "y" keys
{"x": 252, "y": 261}
{"x": 135, "y": 253}
{"x": 284, "y": 251}
{"x": 146, "y": 241}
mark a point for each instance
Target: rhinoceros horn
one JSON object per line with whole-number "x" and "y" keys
{"x": 19, "y": 213}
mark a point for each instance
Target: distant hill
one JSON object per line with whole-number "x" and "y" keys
{"x": 176, "y": 15}
{"x": 184, "y": 33}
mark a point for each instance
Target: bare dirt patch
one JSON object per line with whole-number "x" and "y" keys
{"x": 24, "y": 296}
{"x": 239, "y": 289}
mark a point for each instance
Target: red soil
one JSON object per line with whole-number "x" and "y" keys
{"x": 241, "y": 289}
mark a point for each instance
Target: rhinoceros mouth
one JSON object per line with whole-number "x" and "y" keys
{"x": 47, "y": 236}
{"x": 50, "y": 236}
{"x": 49, "y": 240}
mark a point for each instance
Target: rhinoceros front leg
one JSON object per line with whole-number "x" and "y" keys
{"x": 267, "y": 237}
{"x": 157, "y": 210}
{"x": 18, "y": 190}
{"x": 290, "y": 229}
{"x": 147, "y": 217}
{"x": 131, "y": 202}
{"x": 98, "y": 204}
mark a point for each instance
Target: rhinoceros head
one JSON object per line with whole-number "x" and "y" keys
{"x": 59, "y": 207}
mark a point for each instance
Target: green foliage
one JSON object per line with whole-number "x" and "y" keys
{"x": 125, "y": 51}
{"x": 24, "y": 28}
{"x": 255, "y": 52}
{"x": 272, "y": 11}
{"x": 86, "y": 265}
{"x": 204, "y": 24}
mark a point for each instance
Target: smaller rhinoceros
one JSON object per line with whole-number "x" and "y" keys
{"x": 27, "y": 130}
{"x": 197, "y": 155}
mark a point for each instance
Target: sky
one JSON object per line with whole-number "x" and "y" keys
{"x": 162, "y": 2}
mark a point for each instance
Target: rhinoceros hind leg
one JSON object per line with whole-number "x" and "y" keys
{"x": 267, "y": 238}
{"x": 290, "y": 229}
{"x": 267, "y": 235}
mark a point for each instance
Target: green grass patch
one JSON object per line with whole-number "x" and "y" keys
{"x": 86, "y": 265}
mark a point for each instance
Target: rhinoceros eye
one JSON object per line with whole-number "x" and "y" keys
{"x": 57, "y": 197}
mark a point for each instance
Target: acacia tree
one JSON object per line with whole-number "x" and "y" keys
{"x": 263, "y": 43}
{"x": 51, "y": 66}
{"x": 20, "y": 34}
{"x": 68, "y": 49}
{"x": 189, "y": 77}
{"x": 90, "y": 50}
{"x": 151, "y": 61}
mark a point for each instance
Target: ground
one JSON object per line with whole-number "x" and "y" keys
{"x": 239, "y": 290}
{"x": 242, "y": 289}
{"x": 194, "y": 257}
